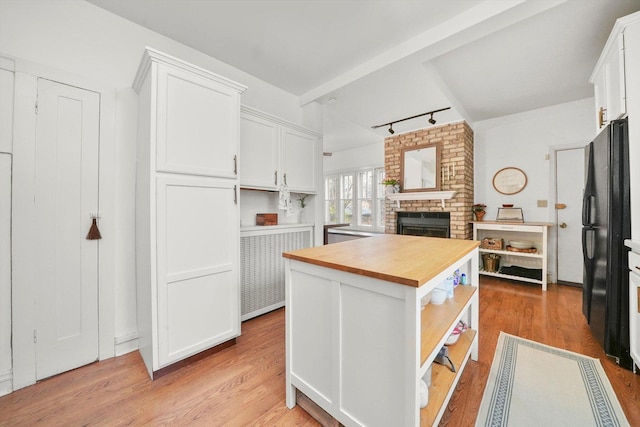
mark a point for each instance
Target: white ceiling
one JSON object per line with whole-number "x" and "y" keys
{"x": 383, "y": 60}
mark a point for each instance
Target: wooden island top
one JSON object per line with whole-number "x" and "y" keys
{"x": 407, "y": 260}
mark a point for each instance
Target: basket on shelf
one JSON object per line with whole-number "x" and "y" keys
{"x": 491, "y": 262}
{"x": 492, "y": 243}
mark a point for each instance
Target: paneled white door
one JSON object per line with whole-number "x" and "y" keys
{"x": 66, "y": 194}
{"x": 198, "y": 259}
{"x": 570, "y": 186}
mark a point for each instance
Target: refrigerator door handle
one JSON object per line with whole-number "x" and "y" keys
{"x": 588, "y": 243}
{"x": 588, "y": 236}
{"x": 588, "y": 201}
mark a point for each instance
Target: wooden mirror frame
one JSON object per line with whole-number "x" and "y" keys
{"x": 437, "y": 171}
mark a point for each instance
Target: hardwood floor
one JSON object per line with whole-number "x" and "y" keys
{"x": 244, "y": 385}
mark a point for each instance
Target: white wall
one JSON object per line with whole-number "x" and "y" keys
{"x": 355, "y": 158}
{"x": 81, "y": 39}
{"x": 523, "y": 140}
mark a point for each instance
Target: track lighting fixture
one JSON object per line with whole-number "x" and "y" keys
{"x": 431, "y": 120}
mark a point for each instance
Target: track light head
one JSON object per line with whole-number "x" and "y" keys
{"x": 432, "y": 120}
{"x": 391, "y": 131}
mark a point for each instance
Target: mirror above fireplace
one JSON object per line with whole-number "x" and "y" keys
{"x": 420, "y": 168}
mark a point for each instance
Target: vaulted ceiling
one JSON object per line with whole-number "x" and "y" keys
{"x": 374, "y": 61}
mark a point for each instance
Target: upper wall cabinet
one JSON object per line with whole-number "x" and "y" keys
{"x": 196, "y": 117}
{"x": 617, "y": 82}
{"x": 609, "y": 82}
{"x": 273, "y": 151}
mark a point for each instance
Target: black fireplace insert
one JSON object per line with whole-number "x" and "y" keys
{"x": 428, "y": 224}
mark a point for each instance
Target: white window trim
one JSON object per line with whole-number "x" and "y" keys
{"x": 378, "y": 194}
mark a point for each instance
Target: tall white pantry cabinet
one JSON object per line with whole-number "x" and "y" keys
{"x": 187, "y": 214}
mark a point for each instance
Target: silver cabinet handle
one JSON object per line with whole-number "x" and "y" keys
{"x": 235, "y": 194}
{"x": 275, "y": 177}
{"x": 235, "y": 164}
{"x": 285, "y": 178}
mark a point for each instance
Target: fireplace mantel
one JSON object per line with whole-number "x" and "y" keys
{"x": 422, "y": 195}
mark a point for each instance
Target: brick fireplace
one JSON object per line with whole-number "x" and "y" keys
{"x": 456, "y": 162}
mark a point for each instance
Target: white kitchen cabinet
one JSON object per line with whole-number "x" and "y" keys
{"x": 616, "y": 81}
{"x": 273, "y": 151}
{"x": 634, "y": 317}
{"x": 536, "y": 232}
{"x": 187, "y": 215}
{"x": 609, "y": 83}
{"x": 634, "y": 301}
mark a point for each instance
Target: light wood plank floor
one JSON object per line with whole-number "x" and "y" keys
{"x": 244, "y": 385}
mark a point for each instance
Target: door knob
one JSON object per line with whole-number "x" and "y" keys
{"x": 563, "y": 225}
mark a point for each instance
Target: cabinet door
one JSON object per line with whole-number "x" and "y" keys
{"x": 634, "y": 316}
{"x": 258, "y": 153}
{"x": 197, "y": 124}
{"x": 614, "y": 81}
{"x": 609, "y": 86}
{"x": 298, "y": 160}
{"x": 600, "y": 99}
{"x": 198, "y": 263}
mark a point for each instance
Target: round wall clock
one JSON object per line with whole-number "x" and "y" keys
{"x": 509, "y": 180}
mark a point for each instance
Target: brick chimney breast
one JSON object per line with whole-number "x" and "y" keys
{"x": 456, "y": 155}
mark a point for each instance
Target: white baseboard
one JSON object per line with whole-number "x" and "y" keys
{"x": 126, "y": 343}
{"x": 6, "y": 383}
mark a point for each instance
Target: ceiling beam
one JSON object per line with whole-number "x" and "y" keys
{"x": 485, "y": 18}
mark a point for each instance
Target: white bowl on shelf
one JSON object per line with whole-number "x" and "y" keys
{"x": 521, "y": 244}
{"x": 438, "y": 296}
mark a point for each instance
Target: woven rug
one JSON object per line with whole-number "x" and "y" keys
{"x": 532, "y": 384}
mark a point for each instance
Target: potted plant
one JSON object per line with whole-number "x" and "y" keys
{"x": 391, "y": 186}
{"x": 479, "y": 210}
{"x": 302, "y": 200}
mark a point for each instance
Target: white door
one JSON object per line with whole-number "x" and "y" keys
{"x": 569, "y": 189}
{"x": 66, "y": 193}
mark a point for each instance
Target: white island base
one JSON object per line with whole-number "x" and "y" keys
{"x": 357, "y": 341}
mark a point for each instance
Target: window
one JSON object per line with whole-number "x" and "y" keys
{"x": 355, "y": 197}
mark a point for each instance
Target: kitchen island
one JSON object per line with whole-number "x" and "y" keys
{"x": 357, "y": 340}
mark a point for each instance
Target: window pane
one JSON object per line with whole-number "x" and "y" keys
{"x": 331, "y": 190}
{"x": 365, "y": 213}
{"x": 347, "y": 210}
{"x": 331, "y": 196}
{"x": 380, "y": 213}
{"x": 347, "y": 187}
{"x": 331, "y": 214}
{"x": 379, "y": 186}
{"x": 365, "y": 184}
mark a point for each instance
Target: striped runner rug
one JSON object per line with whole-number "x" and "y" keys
{"x": 532, "y": 384}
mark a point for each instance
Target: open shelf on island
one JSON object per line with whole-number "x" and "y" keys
{"x": 439, "y": 320}
{"x": 443, "y": 381}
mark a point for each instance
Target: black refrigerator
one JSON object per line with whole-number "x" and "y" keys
{"x": 606, "y": 224}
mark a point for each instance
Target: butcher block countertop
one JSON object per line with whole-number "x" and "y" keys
{"x": 407, "y": 260}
